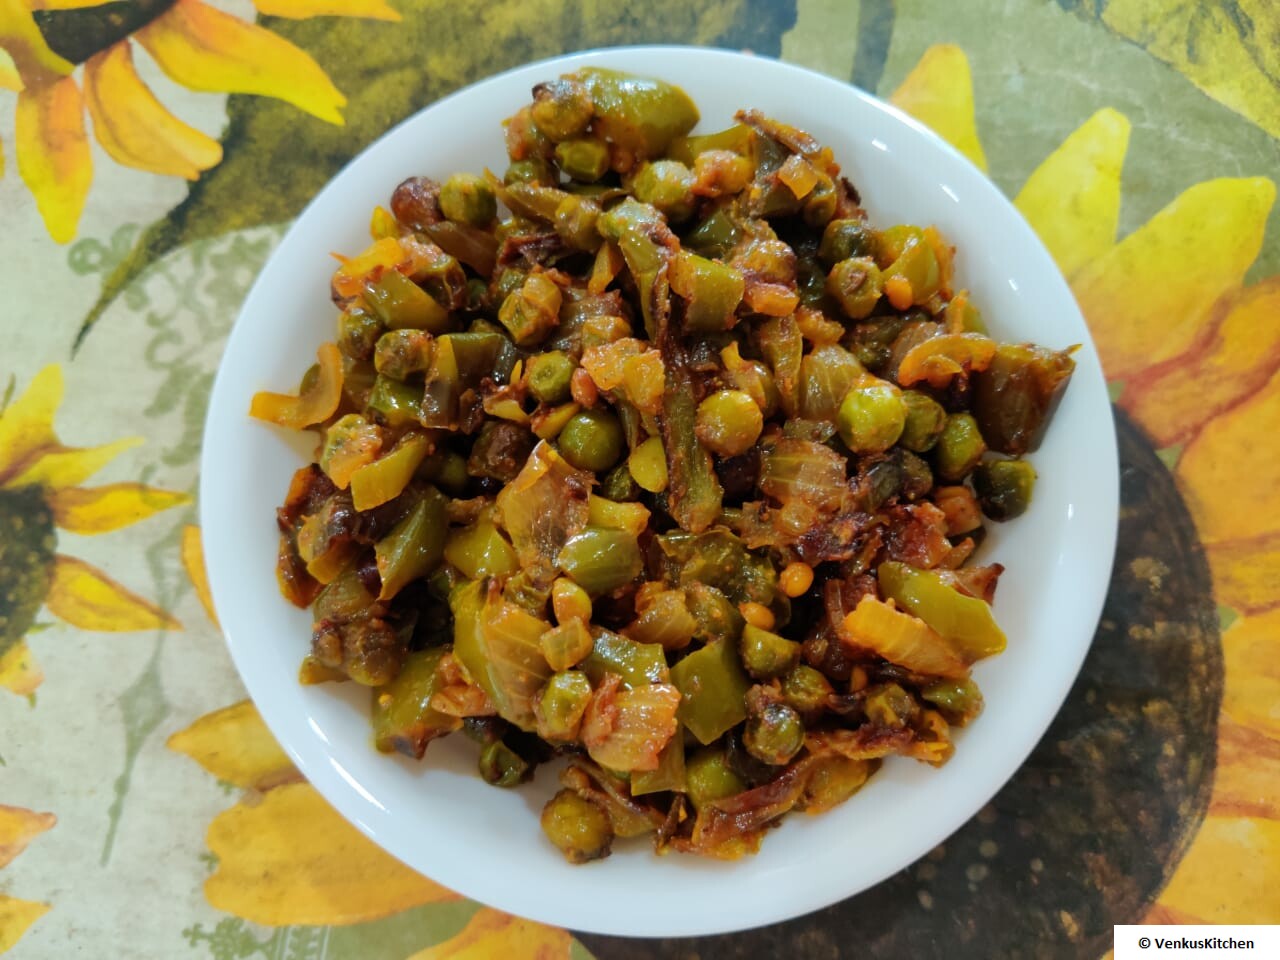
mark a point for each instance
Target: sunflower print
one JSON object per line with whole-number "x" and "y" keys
{"x": 1192, "y": 351}
{"x": 18, "y": 827}
{"x": 271, "y": 871}
{"x": 41, "y": 493}
{"x": 69, "y": 58}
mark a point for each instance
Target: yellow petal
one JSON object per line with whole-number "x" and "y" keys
{"x": 18, "y": 827}
{"x": 53, "y": 153}
{"x": 1072, "y": 200}
{"x": 1246, "y": 781}
{"x": 290, "y": 859}
{"x": 26, "y": 426}
{"x": 490, "y": 934}
{"x": 59, "y": 467}
{"x": 1231, "y": 872}
{"x": 939, "y": 93}
{"x": 15, "y": 917}
{"x": 1228, "y": 50}
{"x": 235, "y": 745}
{"x": 1162, "y": 914}
{"x": 26, "y": 46}
{"x": 1230, "y": 473}
{"x": 134, "y": 127}
{"x": 87, "y": 598}
{"x": 9, "y": 77}
{"x": 1147, "y": 299}
{"x": 63, "y": 4}
{"x": 193, "y": 561}
{"x": 1173, "y": 402}
{"x": 302, "y": 9}
{"x": 102, "y": 509}
{"x": 1251, "y": 653}
{"x": 19, "y": 672}
{"x": 1244, "y": 572}
{"x": 205, "y": 49}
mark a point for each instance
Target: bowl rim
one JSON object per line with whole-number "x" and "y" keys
{"x": 313, "y": 758}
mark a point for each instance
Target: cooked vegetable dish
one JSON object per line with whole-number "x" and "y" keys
{"x": 654, "y": 454}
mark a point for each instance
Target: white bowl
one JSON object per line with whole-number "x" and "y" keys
{"x": 438, "y": 816}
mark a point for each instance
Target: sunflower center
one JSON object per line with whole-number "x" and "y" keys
{"x": 27, "y": 545}
{"x": 78, "y": 34}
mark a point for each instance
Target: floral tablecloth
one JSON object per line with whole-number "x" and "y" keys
{"x": 153, "y": 153}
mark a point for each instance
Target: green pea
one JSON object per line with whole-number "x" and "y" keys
{"x": 667, "y": 185}
{"x": 774, "y": 734}
{"x": 871, "y": 416}
{"x": 857, "y": 285}
{"x": 959, "y": 449}
{"x": 619, "y": 485}
{"x": 806, "y": 690}
{"x": 577, "y": 826}
{"x": 924, "y": 423}
{"x": 888, "y": 705}
{"x": 585, "y": 159}
{"x": 765, "y": 654}
{"x": 467, "y": 198}
{"x": 561, "y": 108}
{"x": 400, "y": 353}
{"x": 447, "y": 470}
{"x": 358, "y": 333}
{"x": 917, "y": 478}
{"x": 592, "y": 440}
{"x": 729, "y": 422}
{"x": 531, "y": 170}
{"x": 845, "y": 238}
{"x": 548, "y": 377}
{"x": 503, "y": 767}
{"x": 709, "y": 777}
{"x": 1004, "y": 487}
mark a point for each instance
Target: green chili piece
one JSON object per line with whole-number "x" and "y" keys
{"x": 501, "y": 766}
{"x": 959, "y": 700}
{"x": 480, "y": 550}
{"x": 397, "y": 403}
{"x": 966, "y": 622}
{"x": 601, "y": 560}
{"x": 585, "y": 159}
{"x": 400, "y": 302}
{"x": 415, "y": 545}
{"x": 669, "y": 775}
{"x": 711, "y": 290}
{"x": 713, "y": 689}
{"x": 403, "y": 720}
{"x": 561, "y": 704}
{"x": 638, "y": 115}
{"x": 637, "y": 663}
{"x": 1014, "y": 397}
